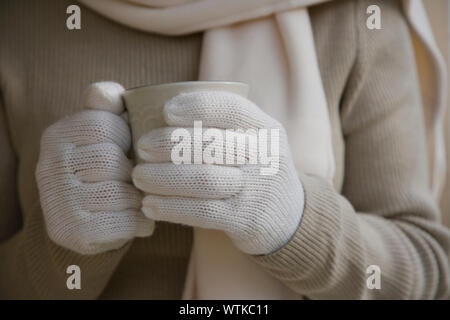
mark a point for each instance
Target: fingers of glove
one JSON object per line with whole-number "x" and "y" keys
{"x": 89, "y": 127}
{"x": 126, "y": 224}
{"x": 200, "y": 181}
{"x": 106, "y": 196}
{"x": 93, "y": 233}
{"x": 215, "y": 109}
{"x": 106, "y": 96}
{"x": 217, "y": 146}
{"x": 157, "y": 145}
{"x": 204, "y": 213}
{"x": 100, "y": 162}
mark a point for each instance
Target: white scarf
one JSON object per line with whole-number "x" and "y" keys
{"x": 269, "y": 45}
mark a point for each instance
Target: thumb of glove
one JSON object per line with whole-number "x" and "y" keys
{"x": 105, "y": 95}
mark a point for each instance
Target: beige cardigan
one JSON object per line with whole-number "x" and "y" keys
{"x": 379, "y": 211}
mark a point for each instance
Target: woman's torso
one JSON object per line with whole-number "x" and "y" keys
{"x": 44, "y": 70}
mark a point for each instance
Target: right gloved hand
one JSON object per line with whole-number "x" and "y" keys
{"x": 84, "y": 177}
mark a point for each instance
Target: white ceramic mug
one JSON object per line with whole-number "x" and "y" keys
{"x": 145, "y": 104}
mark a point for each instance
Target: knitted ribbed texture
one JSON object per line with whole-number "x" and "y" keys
{"x": 380, "y": 210}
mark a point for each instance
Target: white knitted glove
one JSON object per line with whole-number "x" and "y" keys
{"x": 260, "y": 213}
{"x": 84, "y": 177}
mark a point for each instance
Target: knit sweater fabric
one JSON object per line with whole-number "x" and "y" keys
{"x": 379, "y": 210}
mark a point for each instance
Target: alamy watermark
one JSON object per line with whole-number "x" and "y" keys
{"x": 74, "y": 280}
{"x": 374, "y": 279}
{"x": 73, "y": 21}
{"x": 373, "y": 22}
{"x": 231, "y": 147}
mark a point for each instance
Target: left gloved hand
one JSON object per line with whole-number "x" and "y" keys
{"x": 259, "y": 208}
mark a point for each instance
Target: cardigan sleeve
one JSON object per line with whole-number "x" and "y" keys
{"x": 31, "y": 265}
{"x": 385, "y": 215}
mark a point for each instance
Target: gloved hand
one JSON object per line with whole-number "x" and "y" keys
{"x": 260, "y": 211}
{"x": 84, "y": 176}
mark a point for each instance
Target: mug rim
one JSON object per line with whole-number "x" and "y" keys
{"x": 179, "y": 83}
